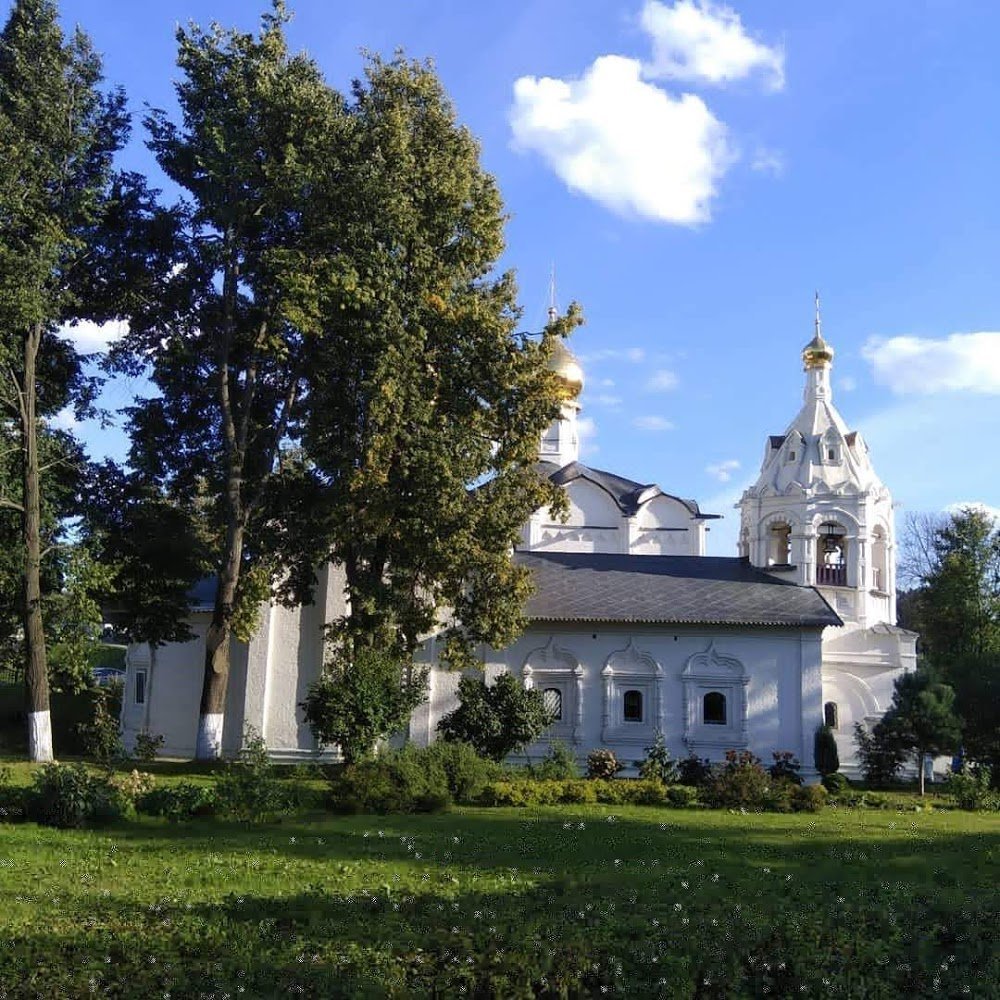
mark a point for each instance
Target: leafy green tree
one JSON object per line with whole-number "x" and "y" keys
{"x": 922, "y": 716}
{"x": 425, "y": 405}
{"x": 59, "y": 134}
{"x": 496, "y": 719}
{"x": 976, "y": 680}
{"x": 359, "y": 702}
{"x": 226, "y": 302}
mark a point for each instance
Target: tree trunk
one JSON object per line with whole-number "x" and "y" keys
{"x": 920, "y": 765}
{"x": 213, "y": 692}
{"x": 36, "y": 676}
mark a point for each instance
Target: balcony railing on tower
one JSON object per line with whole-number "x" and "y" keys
{"x": 831, "y": 576}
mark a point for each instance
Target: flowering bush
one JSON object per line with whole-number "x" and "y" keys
{"x": 695, "y": 771}
{"x": 602, "y": 763}
{"x": 785, "y": 767}
{"x": 741, "y": 783}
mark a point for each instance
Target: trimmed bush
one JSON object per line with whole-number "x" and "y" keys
{"x": 248, "y": 789}
{"x": 825, "y": 755}
{"x": 68, "y": 796}
{"x": 808, "y": 798}
{"x": 575, "y": 792}
{"x": 559, "y": 764}
{"x": 179, "y": 802}
{"x": 836, "y": 783}
{"x": 404, "y": 781}
{"x": 602, "y": 763}
{"x": 694, "y": 771}
{"x": 741, "y": 783}
{"x": 466, "y": 773}
{"x": 681, "y": 796}
{"x": 147, "y": 746}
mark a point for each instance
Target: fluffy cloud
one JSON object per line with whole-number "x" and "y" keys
{"x": 662, "y": 381}
{"x": 607, "y": 399}
{"x": 624, "y": 142}
{"x": 702, "y": 42}
{"x": 89, "y": 337}
{"x": 963, "y": 362}
{"x": 652, "y": 423}
{"x": 65, "y": 419}
{"x": 631, "y": 354}
{"x": 723, "y": 471}
{"x": 587, "y": 431}
{"x": 847, "y": 384}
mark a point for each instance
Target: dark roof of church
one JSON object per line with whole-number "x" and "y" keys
{"x": 709, "y": 590}
{"x": 629, "y": 495}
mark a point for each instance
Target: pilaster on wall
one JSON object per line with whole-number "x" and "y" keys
{"x": 810, "y": 700}
{"x": 260, "y": 663}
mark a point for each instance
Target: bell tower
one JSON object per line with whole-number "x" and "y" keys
{"x": 818, "y": 514}
{"x": 560, "y": 442}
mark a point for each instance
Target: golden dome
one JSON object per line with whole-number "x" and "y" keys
{"x": 563, "y": 362}
{"x": 817, "y": 353}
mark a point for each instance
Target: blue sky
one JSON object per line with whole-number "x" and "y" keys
{"x": 694, "y": 172}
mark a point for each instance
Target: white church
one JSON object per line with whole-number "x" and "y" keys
{"x": 632, "y": 628}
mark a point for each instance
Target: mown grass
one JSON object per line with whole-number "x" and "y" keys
{"x": 572, "y": 901}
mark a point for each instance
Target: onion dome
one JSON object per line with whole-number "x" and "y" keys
{"x": 817, "y": 353}
{"x": 564, "y": 363}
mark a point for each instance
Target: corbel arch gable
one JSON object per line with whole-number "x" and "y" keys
{"x": 707, "y": 675}
{"x": 629, "y": 672}
{"x": 551, "y": 668}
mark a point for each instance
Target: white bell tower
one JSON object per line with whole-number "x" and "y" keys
{"x": 818, "y": 514}
{"x": 560, "y": 442}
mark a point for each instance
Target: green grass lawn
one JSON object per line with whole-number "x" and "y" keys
{"x": 573, "y": 901}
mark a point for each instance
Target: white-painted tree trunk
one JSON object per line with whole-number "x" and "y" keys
{"x": 209, "y": 737}
{"x": 40, "y": 736}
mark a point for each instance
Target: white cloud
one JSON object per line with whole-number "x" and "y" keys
{"x": 634, "y": 355}
{"x": 652, "y": 423}
{"x": 768, "y": 161}
{"x": 963, "y": 362}
{"x": 89, "y": 337}
{"x": 606, "y": 383}
{"x": 988, "y": 509}
{"x": 606, "y": 399}
{"x": 847, "y": 384}
{"x": 705, "y": 42}
{"x": 625, "y": 142}
{"x": 723, "y": 471}
{"x": 662, "y": 381}
{"x": 64, "y": 420}
{"x": 586, "y": 429}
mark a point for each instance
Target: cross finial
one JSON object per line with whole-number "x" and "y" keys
{"x": 553, "y": 311}
{"x": 819, "y": 331}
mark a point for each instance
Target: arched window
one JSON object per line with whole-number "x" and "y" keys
{"x": 633, "y": 706}
{"x": 779, "y": 545}
{"x": 714, "y": 708}
{"x": 830, "y": 714}
{"x": 831, "y": 555}
{"x": 552, "y": 700}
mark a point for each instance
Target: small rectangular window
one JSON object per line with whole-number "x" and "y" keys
{"x": 140, "y": 687}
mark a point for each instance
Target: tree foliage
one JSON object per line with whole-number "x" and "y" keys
{"x": 59, "y": 134}
{"x": 425, "y": 405}
{"x": 358, "y": 702}
{"x": 496, "y": 719}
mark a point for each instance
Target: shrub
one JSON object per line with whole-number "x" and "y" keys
{"x": 825, "y": 755}
{"x": 785, "y": 767}
{"x": 360, "y": 701}
{"x": 971, "y": 788}
{"x": 602, "y": 763}
{"x": 101, "y": 736}
{"x": 808, "y": 798}
{"x": 694, "y": 771}
{"x": 178, "y": 802}
{"x": 466, "y": 773}
{"x": 147, "y": 746}
{"x": 681, "y": 796}
{"x": 835, "y": 783}
{"x": 497, "y": 719}
{"x": 658, "y": 765}
{"x": 578, "y": 791}
{"x": 406, "y": 781}
{"x": 880, "y": 752}
{"x": 559, "y": 764}
{"x": 13, "y": 804}
{"x": 133, "y": 785}
{"x": 248, "y": 788}
{"x": 741, "y": 783}
{"x": 68, "y": 796}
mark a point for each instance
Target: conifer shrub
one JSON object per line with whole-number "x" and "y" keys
{"x": 835, "y": 784}
{"x": 825, "y": 755}
{"x": 881, "y": 753}
{"x": 658, "y": 765}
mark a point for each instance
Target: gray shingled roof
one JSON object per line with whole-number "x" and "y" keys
{"x": 628, "y": 494}
{"x": 583, "y": 586}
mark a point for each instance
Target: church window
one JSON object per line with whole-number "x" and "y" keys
{"x": 714, "y": 708}
{"x": 831, "y": 561}
{"x": 831, "y": 454}
{"x": 791, "y": 456}
{"x": 779, "y": 547}
{"x": 830, "y": 714}
{"x": 633, "y": 706}
{"x": 552, "y": 699}
{"x": 140, "y": 687}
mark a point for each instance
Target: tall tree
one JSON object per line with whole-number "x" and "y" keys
{"x": 227, "y": 304}
{"x": 425, "y": 405}
{"x": 922, "y": 716}
{"x": 59, "y": 133}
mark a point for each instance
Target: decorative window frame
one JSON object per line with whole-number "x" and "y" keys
{"x": 140, "y": 686}
{"x": 630, "y": 669}
{"x": 712, "y": 671}
{"x": 551, "y": 666}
